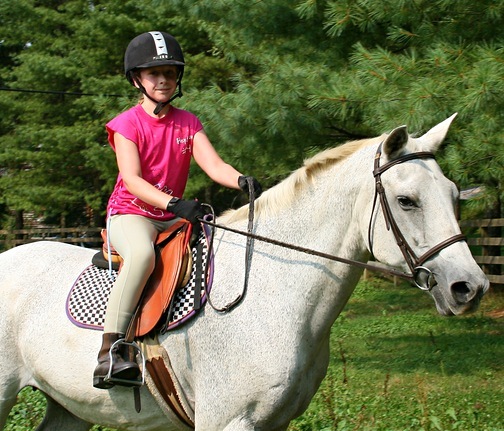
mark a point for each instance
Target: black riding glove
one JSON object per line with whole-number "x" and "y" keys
{"x": 189, "y": 210}
{"x": 243, "y": 184}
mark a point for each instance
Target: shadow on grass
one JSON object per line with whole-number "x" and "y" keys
{"x": 437, "y": 354}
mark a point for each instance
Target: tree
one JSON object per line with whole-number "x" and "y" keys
{"x": 272, "y": 82}
{"x": 322, "y": 72}
{"x": 432, "y": 59}
{"x": 55, "y": 159}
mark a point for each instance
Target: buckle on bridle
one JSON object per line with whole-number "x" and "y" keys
{"x": 424, "y": 278}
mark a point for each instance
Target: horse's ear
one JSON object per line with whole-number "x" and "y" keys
{"x": 435, "y": 136}
{"x": 395, "y": 142}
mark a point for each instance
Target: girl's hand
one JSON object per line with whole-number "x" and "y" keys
{"x": 190, "y": 210}
{"x": 243, "y": 183}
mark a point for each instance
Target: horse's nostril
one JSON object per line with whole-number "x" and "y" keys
{"x": 461, "y": 291}
{"x": 460, "y": 287}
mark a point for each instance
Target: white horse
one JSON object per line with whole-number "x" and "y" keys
{"x": 258, "y": 366}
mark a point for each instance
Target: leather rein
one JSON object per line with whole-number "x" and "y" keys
{"x": 420, "y": 275}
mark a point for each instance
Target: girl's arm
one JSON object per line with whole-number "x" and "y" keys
{"x": 209, "y": 160}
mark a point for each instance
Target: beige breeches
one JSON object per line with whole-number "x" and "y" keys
{"x": 133, "y": 237}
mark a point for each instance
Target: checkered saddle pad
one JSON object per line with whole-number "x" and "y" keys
{"x": 87, "y": 300}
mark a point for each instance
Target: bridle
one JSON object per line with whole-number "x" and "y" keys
{"x": 420, "y": 275}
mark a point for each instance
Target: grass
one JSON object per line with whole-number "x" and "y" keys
{"x": 396, "y": 365}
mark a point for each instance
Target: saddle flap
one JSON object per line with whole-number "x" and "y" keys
{"x": 167, "y": 235}
{"x": 170, "y": 269}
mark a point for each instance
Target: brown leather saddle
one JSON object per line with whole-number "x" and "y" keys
{"x": 172, "y": 270}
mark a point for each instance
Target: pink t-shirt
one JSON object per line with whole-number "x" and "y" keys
{"x": 165, "y": 149}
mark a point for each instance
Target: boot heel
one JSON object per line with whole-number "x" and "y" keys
{"x": 103, "y": 368}
{"x": 100, "y": 382}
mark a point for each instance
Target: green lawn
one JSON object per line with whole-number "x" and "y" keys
{"x": 396, "y": 365}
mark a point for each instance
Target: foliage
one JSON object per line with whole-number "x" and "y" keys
{"x": 273, "y": 82}
{"x": 395, "y": 365}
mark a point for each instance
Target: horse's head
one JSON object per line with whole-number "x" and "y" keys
{"x": 417, "y": 210}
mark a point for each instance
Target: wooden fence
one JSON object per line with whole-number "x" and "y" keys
{"x": 486, "y": 247}
{"x": 485, "y": 238}
{"x": 83, "y": 236}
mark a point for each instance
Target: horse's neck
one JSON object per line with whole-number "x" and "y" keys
{"x": 291, "y": 295}
{"x": 331, "y": 213}
{"x": 326, "y": 216}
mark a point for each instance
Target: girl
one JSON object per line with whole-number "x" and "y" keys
{"x": 154, "y": 143}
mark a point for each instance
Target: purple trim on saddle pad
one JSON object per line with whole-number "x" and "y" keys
{"x": 87, "y": 300}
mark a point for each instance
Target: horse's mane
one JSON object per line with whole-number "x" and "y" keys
{"x": 282, "y": 194}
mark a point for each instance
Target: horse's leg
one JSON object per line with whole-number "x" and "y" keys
{"x": 242, "y": 427}
{"x": 59, "y": 419}
{"x": 246, "y": 425}
{"x": 9, "y": 387}
{"x": 10, "y": 368}
{"x": 239, "y": 425}
{"x": 6, "y": 405}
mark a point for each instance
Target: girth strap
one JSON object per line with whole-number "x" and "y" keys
{"x": 164, "y": 383}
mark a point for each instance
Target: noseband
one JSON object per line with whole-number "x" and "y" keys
{"x": 422, "y": 276}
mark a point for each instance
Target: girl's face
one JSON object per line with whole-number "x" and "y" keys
{"x": 160, "y": 82}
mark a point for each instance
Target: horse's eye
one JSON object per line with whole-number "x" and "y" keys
{"x": 406, "y": 203}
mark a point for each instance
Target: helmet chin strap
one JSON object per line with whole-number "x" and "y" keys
{"x": 159, "y": 105}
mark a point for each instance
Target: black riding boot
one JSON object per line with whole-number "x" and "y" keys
{"x": 124, "y": 367}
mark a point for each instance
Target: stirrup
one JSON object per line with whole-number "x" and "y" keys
{"x": 125, "y": 382}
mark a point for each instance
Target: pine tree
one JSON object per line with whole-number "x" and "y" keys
{"x": 272, "y": 81}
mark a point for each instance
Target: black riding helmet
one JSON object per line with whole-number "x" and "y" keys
{"x": 154, "y": 48}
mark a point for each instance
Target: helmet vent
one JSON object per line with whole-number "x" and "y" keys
{"x": 160, "y": 43}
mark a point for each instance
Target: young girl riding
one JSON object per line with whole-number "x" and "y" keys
{"x": 154, "y": 143}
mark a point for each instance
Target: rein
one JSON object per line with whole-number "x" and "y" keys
{"x": 420, "y": 275}
{"x": 248, "y": 250}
